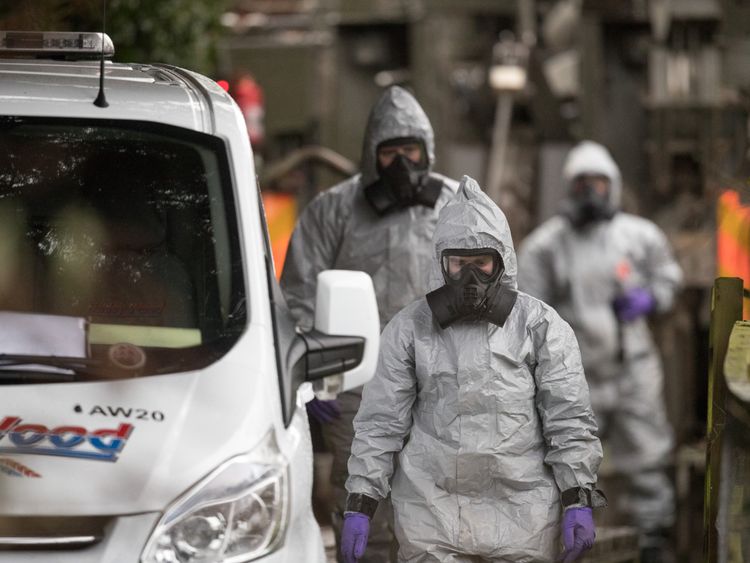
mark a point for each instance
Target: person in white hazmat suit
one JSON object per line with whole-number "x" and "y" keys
{"x": 480, "y": 393}
{"x": 604, "y": 271}
{"x": 379, "y": 221}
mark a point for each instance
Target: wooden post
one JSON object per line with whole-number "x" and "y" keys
{"x": 726, "y": 309}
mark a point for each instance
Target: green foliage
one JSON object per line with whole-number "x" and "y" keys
{"x": 181, "y": 32}
{"x": 178, "y": 32}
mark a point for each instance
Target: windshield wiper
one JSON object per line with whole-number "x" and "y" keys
{"x": 79, "y": 367}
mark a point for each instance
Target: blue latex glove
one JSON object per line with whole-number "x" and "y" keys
{"x": 354, "y": 536}
{"x": 578, "y": 533}
{"x": 323, "y": 411}
{"x": 634, "y": 303}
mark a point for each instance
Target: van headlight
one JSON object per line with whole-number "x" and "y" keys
{"x": 236, "y": 514}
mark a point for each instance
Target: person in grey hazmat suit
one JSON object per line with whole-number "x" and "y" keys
{"x": 604, "y": 271}
{"x": 379, "y": 221}
{"x": 480, "y": 393}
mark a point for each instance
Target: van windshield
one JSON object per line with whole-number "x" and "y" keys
{"x": 118, "y": 243}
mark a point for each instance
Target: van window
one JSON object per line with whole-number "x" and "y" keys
{"x": 131, "y": 226}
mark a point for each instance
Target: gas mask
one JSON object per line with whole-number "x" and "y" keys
{"x": 472, "y": 289}
{"x": 403, "y": 183}
{"x": 589, "y": 200}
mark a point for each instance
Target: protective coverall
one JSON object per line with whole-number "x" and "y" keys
{"x": 490, "y": 423}
{"x": 581, "y": 272}
{"x": 340, "y": 229}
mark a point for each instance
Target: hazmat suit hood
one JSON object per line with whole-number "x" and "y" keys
{"x": 471, "y": 221}
{"x": 396, "y": 114}
{"x": 588, "y": 157}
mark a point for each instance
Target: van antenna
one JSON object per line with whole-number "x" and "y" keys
{"x": 101, "y": 100}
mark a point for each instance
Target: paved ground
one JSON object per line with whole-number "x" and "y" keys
{"x": 613, "y": 545}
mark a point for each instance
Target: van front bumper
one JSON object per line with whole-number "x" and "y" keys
{"x": 126, "y": 537}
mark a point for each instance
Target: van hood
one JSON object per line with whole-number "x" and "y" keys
{"x": 129, "y": 446}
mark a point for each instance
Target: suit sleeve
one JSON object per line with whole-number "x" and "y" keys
{"x": 562, "y": 400}
{"x": 384, "y": 418}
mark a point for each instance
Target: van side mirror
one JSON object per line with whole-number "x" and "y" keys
{"x": 330, "y": 354}
{"x": 346, "y": 337}
{"x": 344, "y": 341}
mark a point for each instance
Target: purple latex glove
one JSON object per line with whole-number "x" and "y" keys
{"x": 634, "y": 303}
{"x": 323, "y": 411}
{"x": 354, "y": 536}
{"x": 578, "y": 533}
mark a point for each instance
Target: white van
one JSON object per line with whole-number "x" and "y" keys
{"x": 152, "y": 381}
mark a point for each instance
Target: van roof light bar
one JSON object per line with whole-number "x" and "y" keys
{"x": 56, "y": 44}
